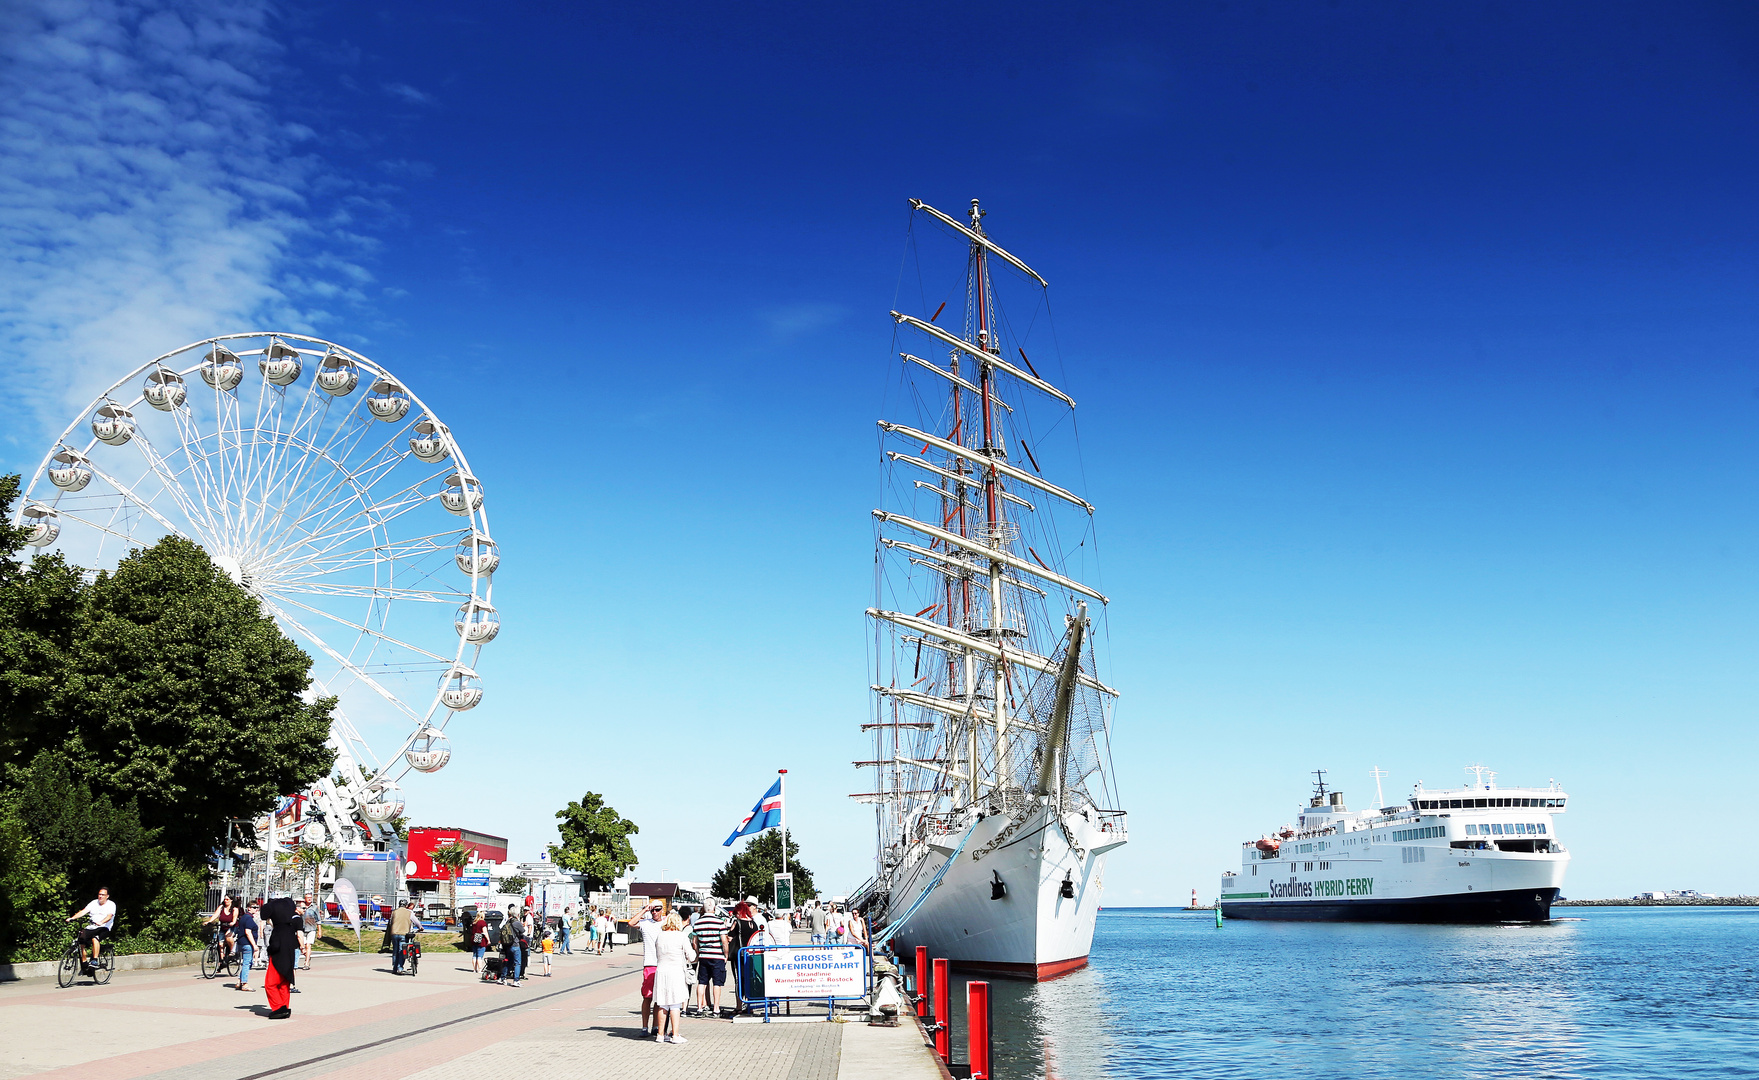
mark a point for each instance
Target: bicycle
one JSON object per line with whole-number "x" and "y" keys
{"x": 72, "y": 965}
{"x": 217, "y": 959}
{"x": 412, "y": 953}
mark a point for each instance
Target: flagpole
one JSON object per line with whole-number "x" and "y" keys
{"x": 784, "y": 783}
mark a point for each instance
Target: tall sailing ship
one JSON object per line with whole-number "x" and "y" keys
{"x": 990, "y": 725}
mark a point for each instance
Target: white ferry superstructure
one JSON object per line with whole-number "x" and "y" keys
{"x": 1474, "y": 854}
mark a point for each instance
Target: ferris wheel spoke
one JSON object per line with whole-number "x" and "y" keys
{"x": 378, "y": 634}
{"x": 376, "y": 516}
{"x": 412, "y": 562}
{"x": 294, "y": 564}
{"x": 172, "y": 481}
{"x": 337, "y": 499}
{"x": 195, "y": 451}
{"x": 345, "y": 663}
{"x": 128, "y": 493}
{"x": 342, "y": 497}
{"x": 316, "y": 589}
{"x": 313, "y": 456}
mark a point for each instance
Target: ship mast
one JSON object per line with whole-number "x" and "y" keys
{"x": 995, "y": 531}
{"x": 974, "y": 633}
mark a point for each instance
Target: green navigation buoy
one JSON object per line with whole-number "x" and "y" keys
{"x": 1218, "y": 914}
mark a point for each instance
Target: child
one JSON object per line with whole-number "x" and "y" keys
{"x": 549, "y": 946}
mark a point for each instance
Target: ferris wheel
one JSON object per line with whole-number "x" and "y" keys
{"x": 331, "y": 493}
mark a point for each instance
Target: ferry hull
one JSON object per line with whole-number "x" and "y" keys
{"x": 1511, "y": 905}
{"x": 1033, "y": 931}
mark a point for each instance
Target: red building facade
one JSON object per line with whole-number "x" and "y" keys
{"x": 423, "y": 840}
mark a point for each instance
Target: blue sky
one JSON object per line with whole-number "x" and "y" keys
{"x": 1414, "y": 348}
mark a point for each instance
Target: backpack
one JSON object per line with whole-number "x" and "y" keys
{"x": 508, "y": 934}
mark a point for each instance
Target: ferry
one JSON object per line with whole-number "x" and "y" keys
{"x": 1474, "y": 854}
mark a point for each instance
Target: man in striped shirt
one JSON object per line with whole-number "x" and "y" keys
{"x": 710, "y": 929}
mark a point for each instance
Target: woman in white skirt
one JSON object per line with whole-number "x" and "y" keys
{"x": 672, "y": 979}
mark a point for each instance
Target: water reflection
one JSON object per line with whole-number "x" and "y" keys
{"x": 1615, "y": 993}
{"x": 1059, "y": 1030}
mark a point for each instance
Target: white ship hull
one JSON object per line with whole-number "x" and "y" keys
{"x": 1444, "y": 886}
{"x": 1033, "y": 930}
{"x": 1476, "y": 854}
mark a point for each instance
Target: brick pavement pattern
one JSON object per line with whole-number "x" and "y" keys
{"x": 353, "y": 1019}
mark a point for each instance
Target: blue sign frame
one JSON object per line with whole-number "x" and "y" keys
{"x": 769, "y": 1003}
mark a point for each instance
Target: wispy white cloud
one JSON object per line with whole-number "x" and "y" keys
{"x": 149, "y": 196}
{"x": 790, "y": 321}
{"x": 407, "y": 93}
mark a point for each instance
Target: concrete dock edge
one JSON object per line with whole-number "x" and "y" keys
{"x": 45, "y": 969}
{"x": 889, "y": 1053}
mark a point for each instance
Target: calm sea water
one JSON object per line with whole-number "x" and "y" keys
{"x": 1599, "y": 993}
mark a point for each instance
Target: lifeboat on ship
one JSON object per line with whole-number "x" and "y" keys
{"x": 1269, "y": 845}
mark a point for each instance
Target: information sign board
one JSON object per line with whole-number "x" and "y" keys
{"x": 784, "y": 892}
{"x": 815, "y": 972}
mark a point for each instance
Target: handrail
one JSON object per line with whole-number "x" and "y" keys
{"x": 893, "y": 928}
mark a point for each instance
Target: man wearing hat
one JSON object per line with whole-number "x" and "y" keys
{"x": 649, "y": 928}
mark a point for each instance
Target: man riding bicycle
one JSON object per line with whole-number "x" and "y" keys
{"x": 101, "y": 920}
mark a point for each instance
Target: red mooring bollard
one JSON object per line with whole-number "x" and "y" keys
{"x": 977, "y": 1028}
{"x": 943, "y": 1012}
{"x": 922, "y": 980}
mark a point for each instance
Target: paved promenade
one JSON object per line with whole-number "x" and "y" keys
{"x": 354, "y": 1019}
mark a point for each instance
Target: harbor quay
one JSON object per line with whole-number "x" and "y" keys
{"x": 353, "y": 1018}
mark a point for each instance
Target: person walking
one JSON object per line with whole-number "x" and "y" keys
{"x": 607, "y": 926}
{"x": 402, "y": 924}
{"x": 709, "y": 936}
{"x": 246, "y": 939}
{"x": 283, "y": 918}
{"x": 549, "y": 946}
{"x": 529, "y": 940}
{"x": 565, "y": 932}
{"x": 648, "y": 927}
{"x": 815, "y": 919}
{"x": 511, "y": 953}
{"x": 479, "y": 942}
{"x": 673, "y": 957}
{"x": 308, "y": 935}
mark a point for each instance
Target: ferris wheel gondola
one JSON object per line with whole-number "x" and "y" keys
{"x": 340, "y": 513}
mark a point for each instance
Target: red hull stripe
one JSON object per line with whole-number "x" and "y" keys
{"x": 1036, "y": 972}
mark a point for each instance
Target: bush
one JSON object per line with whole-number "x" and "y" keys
{"x": 33, "y": 901}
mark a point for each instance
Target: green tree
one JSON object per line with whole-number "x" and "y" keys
{"x": 39, "y": 609}
{"x": 185, "y": 695}
{"x": 452, "y": 858}
{"x": 311, "y": 860}
{"x": 758, "y": 864}
{"x": 33, "y": 899}
{"x": 595, "y": 842}
{"x": 83, "y": 841}
{"x": 515, "y": 885}
{"x": 162, "y": 683}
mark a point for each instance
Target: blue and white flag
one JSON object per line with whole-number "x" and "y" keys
{"x": 767, "y": 814}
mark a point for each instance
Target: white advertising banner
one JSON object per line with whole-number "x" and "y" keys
{"x": 815, "y": 971}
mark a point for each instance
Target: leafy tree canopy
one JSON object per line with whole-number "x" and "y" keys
{"x": 162, "y": 684}
{"x": 595, "y": 842}
{"x": 758, "y": 864}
